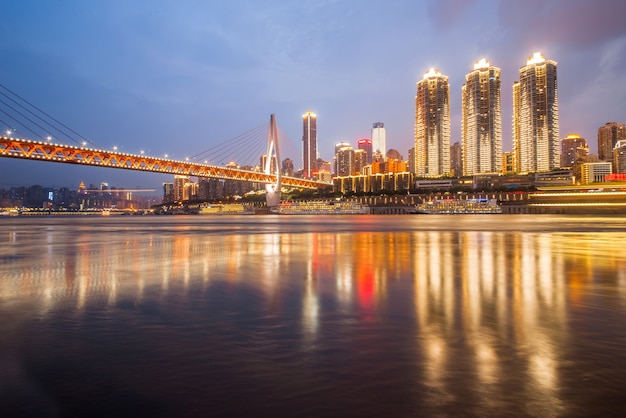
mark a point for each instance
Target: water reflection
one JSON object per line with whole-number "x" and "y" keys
{"x": 484, "y": 312}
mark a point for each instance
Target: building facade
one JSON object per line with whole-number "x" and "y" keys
{"x": 619, "y": 157}
{"x": 168, "y": 192}
{"x": 309, "y": 144}
{"x": 481, "y": 127}
{"x": 411, "y": 163}
{"x": 180, "y": 188}
{"x": 287, "y": 167}
{"x": 608, "y": 136}
{"x": 379, "y": 139}
{"x": 536, "y": 116}
{"x": 360, "y": 160}
{"x": 393, "y": 154}
{"x": 508, "y": 162}
{"x": 366, "y": 144}
{"x": 338, "y": 146}
{"x": 456, "y": 160}
{"x": 432, "y": 125}
{"x": 573, "y": 148}
{"x": 345, "y": 161}
{"x": 595, "y": 172}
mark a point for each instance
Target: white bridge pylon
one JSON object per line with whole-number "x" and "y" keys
{"x": 272, "y": 165}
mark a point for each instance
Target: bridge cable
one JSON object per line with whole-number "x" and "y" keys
{"x": 11, "y": 128}
{"x": 289, "y": 150}
{"x": 25, "y": 117}
{"x": 256, "y": 149}
{"x": 199, "y": 155}
{"x": 47, "y": 115}
{"x": 35, "y": 115}
{"x": 18, "y": 122}
{"x": 230, "y": 150}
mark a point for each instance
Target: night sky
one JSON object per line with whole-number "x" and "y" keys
{"x": 178, "y": 77}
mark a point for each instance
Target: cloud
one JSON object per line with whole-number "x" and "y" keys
{"x": 448, "y": 13}
{"x": 570, "y": 24}
{"x": 605, "y": 90}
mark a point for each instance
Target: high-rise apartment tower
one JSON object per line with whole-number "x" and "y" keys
{"x": 309, "y": 144}
{"x": 481, "y": 127}
{"x": 379, "y": 139}
{"x": 345, "y": 161}
{"x": 432, "y": 125}
{"x": 573, "y": 148}
{"x": 608, "y": 136}
{"x": 366, "y": 145}
{"x": 536, "y": 116}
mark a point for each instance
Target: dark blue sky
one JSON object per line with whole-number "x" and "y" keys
{"x": 177, "y": 77}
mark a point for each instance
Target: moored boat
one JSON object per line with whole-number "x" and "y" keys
{"x": 465, "y": 206}
{"x": 321, "y": 207}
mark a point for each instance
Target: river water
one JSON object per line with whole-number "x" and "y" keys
{"x": 311, "y": 316}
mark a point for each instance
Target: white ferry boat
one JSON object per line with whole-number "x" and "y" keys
{"x": 466, "y": 206}
{"x": 321, "y": 207}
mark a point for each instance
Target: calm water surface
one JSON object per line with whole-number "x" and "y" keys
{"x": 394, "y": 316}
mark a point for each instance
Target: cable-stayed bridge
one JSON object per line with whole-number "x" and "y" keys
{"x": 71, "y": 154}
{"x": 29, "y": 135}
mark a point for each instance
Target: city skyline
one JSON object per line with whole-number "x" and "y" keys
{"x": 147, "y": 77}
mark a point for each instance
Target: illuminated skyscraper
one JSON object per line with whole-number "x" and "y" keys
{"x": 168, "y": 192}
{"x": 536, "y": 116}
{"x": 608, "y": 135}
{"x": 345, "y": 161}
{"x": 379, "y": 139}
{"x": 573, "y": 148}
{"x": 309, "y": 144}
{"x": 432, "y": 125}
{"x": 366, "y": 145}
{"x": 360, "y": 160}
{"x": 338, "y": 147}
{"x": 619, "y": 157}
{"x": 180, "y": 187}
{"x": 411, "y": 163}
{"x": 456, "y": 160}
{"x": 481, "y": 128}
